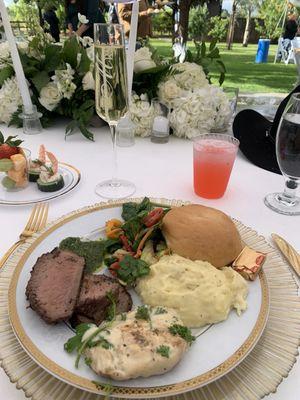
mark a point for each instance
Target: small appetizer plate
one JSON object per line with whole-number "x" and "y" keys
{"x": 217, "y": 350}
{"x": 32, "y": 195}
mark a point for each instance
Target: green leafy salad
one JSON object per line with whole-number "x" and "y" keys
{"x": 130, "y": 246}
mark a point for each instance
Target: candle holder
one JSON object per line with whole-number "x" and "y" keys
{"x": 161, "y": 124}
{"x": 31, "y": 121}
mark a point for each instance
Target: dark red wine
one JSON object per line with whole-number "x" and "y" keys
{"x": 288, "y": 145}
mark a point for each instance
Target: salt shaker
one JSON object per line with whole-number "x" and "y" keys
{"x": 161, "y": 125}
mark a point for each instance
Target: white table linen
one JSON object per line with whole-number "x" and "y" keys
{"x": 158, "y": 170}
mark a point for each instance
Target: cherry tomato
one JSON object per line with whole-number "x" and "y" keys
{"x": 153, "y": 217}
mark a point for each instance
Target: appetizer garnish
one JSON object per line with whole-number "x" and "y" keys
{"x": 36, "y": 165}
{"x": 146, "y": 343}
{"x": 50, "y": 180}
{"x": 13, "y": 162}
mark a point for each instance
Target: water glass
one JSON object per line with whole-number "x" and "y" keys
{"x": 214, "y": 156}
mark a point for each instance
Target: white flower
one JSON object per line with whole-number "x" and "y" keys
{"x": 82, "y": 19}
{"x": 64, "y": 81}
{"x": 143, "y": 60}
{"x": 189, "y": 76}
{"x": 86, "y": 41}
{"x": 50, "y": 96}
{"x": 141, "y": 114}
{"x": 169, "y": 91}
{"x": 10, "y": 99}
{"x": 88, "y": 81}
{"x": 90, "y": 53}
{"x": 222, "y": 106}
{"x": 4, "y": 50}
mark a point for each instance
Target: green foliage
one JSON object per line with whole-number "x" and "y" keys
{"x": 198, "y": 22}
{"x": 270, "y": 11}
{"x": 70, "y": 50}
{"x": 209, "y": 58}
{"x": 163, "y": 23}
{"x": 6, "y": 73}
{"x": 219, "y": 28}
{"x": 131, "y": 269}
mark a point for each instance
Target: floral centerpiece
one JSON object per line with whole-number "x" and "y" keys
{"x": 60, "y": 78}
{"x": 197, "y": 106}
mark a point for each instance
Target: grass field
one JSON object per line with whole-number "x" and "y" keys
{"x": 243, "y": 72}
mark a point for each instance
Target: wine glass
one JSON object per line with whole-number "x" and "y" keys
{"x": 111, "y": 96}
{"x": 288, "y": 157}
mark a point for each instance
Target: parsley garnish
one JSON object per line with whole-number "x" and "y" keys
{"x": 182, "y": 331}
{"x": 123, "y": 316}
{"x": 100, "y": 342}
{"x": 88, "y": 361}
{"x": 142, "y": 312}
{"x": 112, "y": 309}
{"x": 163, "y": 350}
{"x": 160, "y": 310}
{"x": 74, "y": 342}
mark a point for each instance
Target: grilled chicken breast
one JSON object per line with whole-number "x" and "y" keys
{"x": 137, "y": 347}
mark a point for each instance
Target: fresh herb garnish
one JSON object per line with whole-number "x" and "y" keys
{"x": 160, "y": 310}
{"x": 88, "y": 361}
{"x": 164, "y": 351}
{"x": 132, "y": 227}
{"x": 182, "y": 331}
{"x": 74, "y": 342}
{"x": 131, "y": 269}
{"x": 142, "y": 312}
{"x": 123, "y": 316}
{"x": 102, "y": 342}
{"x": 112, "y": 309}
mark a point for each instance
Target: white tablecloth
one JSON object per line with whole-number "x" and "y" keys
{"x": 158, "y": 170}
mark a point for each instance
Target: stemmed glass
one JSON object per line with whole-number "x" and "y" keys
{"x": 288, "y": 157}
{"x": 111, "y": 96}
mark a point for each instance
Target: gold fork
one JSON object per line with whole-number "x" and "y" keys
{"x": 37, "y": 221}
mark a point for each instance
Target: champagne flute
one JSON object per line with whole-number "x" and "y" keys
{"x": 288, "y": 157}
{"x": 111, "y": 96}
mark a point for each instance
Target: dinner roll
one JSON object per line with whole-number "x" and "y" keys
{"x": 202, "y": 233}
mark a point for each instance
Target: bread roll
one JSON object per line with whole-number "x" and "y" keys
{"x": 202, "y": 233}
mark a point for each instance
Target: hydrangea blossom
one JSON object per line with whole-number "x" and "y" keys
{"x": 141, "y": 114}
{"x": 10, "y": 99}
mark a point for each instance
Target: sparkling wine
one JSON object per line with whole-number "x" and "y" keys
{"x": 288, "y": 145}
{"x": 111, "y": 82}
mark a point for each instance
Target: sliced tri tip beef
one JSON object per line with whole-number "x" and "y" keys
{"x": 93, "y": 302}
{"x": 54, "y": 285}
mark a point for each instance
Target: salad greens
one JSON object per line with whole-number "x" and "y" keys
{"x": 131, "y": 269}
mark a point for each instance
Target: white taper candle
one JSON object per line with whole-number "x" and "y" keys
{"x": 132, "y": 45}
{"x": 16, "y": 59}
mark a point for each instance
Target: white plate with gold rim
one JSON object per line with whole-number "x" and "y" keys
{"x": 217, "y": 350}
{"x": 32, "y": 195}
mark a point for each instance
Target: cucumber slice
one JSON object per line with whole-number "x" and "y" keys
{"x": 5, "y": 164}
{"x": 51, "y": 186}
{"x": 33, "y": 176}
{"x": 8, "y": 183}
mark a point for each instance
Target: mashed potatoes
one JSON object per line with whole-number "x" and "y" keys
{"x": 200, "y": 293}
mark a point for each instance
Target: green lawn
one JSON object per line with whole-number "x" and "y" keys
{"x": 243, "y": 72}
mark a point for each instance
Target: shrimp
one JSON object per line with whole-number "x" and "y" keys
{"x": 54, "y": 162}
{"x": 42, "y": 154}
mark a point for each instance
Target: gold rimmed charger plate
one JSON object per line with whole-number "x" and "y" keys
{"x": 124, "y": 391}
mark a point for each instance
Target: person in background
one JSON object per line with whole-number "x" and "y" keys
{"x": 50, "y": 17}
{"x": 91, "y": 10}
{"x": 144, "y": 24}
{"x": 71, "y": 8}
{"x": 291, "y": 29}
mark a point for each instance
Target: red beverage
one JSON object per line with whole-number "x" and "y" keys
{"x": 214, "y": 157}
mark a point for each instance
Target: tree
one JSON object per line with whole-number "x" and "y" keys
{"x": 231, "y": 28}
{"x": 219, "y": 27}
{"x": 246, "y": 9}
{"x": 272, "y": 13}
{"x": 198, "y": 22}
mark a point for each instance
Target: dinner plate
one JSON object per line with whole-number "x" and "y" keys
{"x": 32, "y": 195}
{"x": 217, "y": 350}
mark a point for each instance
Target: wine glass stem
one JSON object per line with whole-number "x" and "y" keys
{"x": 113, "y": 131}
{"x": 290, "y": 189}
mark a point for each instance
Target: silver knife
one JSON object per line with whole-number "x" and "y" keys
{"x": 288, "y": 251}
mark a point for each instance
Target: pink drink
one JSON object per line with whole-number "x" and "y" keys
{"x": 214, "y": 157}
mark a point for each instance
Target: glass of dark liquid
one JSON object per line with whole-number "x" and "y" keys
{"x": 288, "y": 157}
